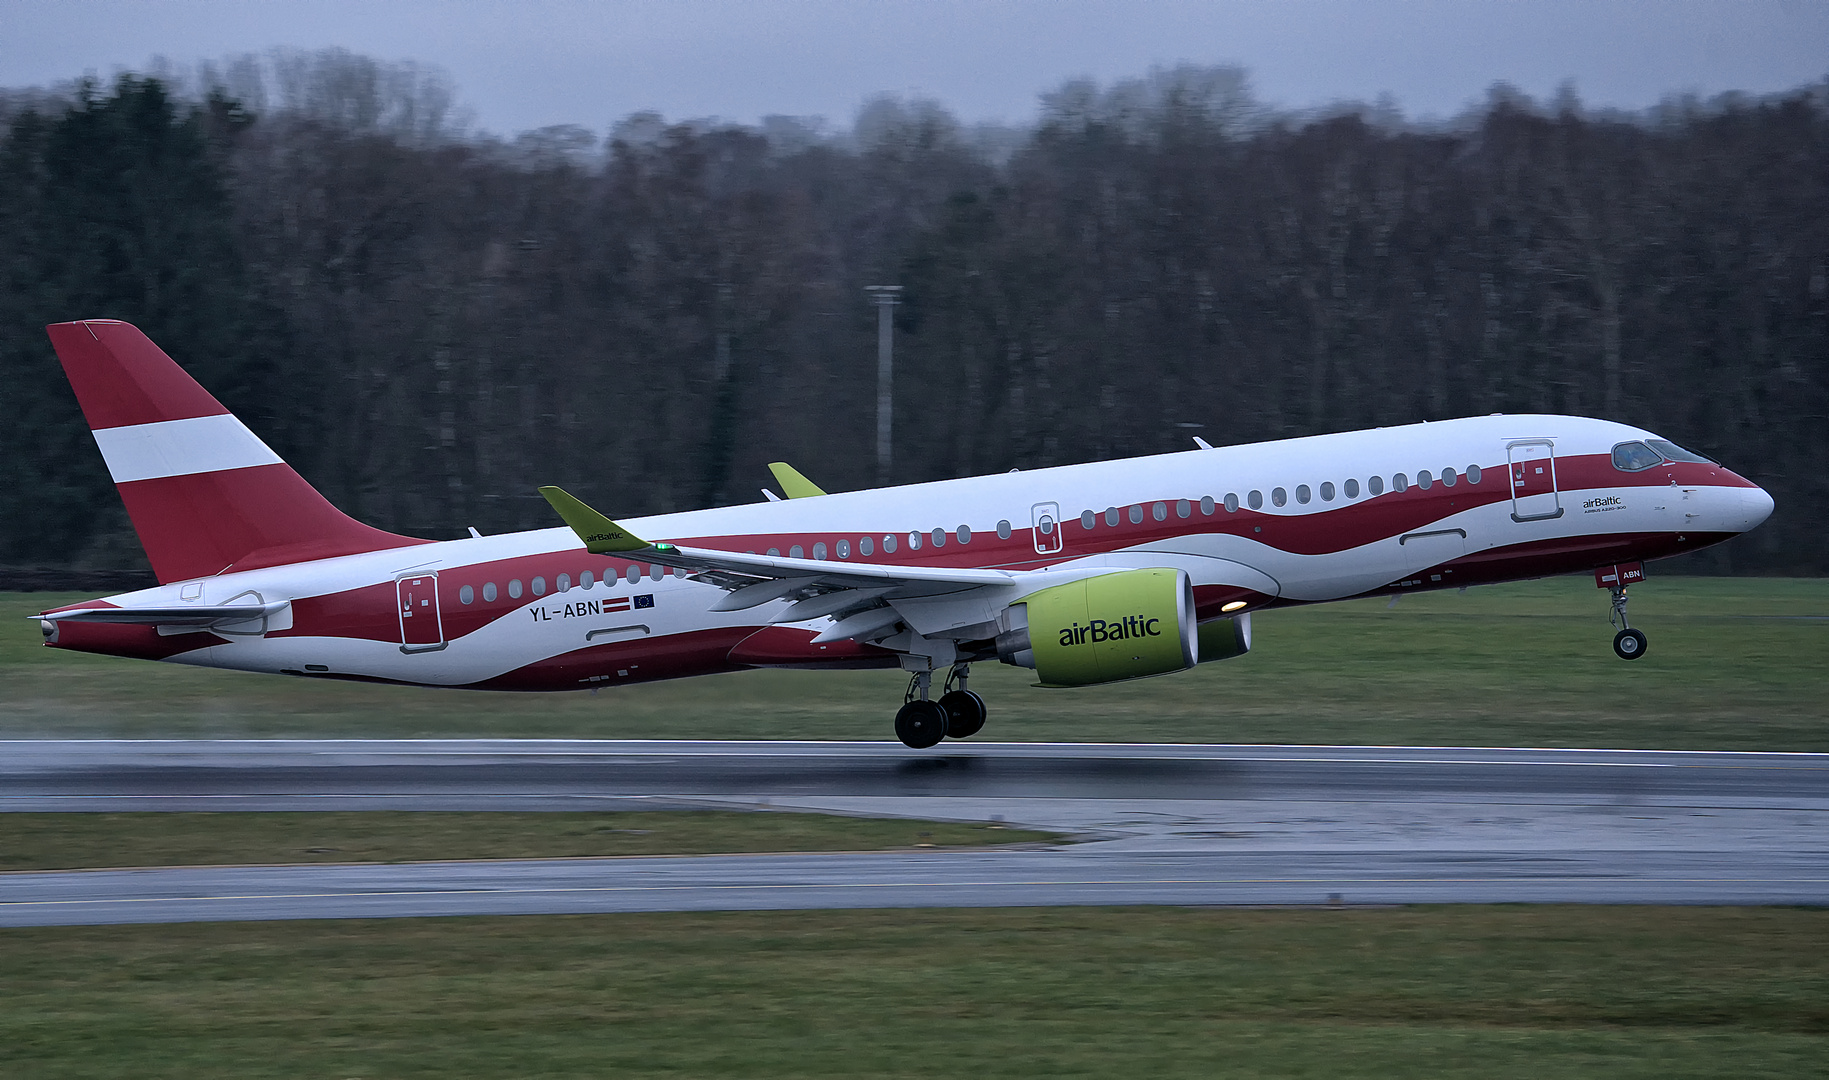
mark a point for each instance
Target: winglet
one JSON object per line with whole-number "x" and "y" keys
{"x": 600, "y": 534}
{"x": 793, "y": 485}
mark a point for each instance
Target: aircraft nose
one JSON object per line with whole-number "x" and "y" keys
{"x": 1759, "y": 506}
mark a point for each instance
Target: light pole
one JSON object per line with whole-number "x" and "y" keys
{"x": 886, "y": 297}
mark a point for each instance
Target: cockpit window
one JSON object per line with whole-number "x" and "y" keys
{"x": 1633, "y": 456}
{"x": 1677, "y": 453}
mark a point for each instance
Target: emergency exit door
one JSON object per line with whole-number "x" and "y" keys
{"x": 1533, "y": 480}
{"x": 1045, "y": 526}
{"x": 421, "y": 629}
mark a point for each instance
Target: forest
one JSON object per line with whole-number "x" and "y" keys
{"x": 430, "y": 321}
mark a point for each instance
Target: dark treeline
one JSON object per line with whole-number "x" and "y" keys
{"x": 428, "y": 323}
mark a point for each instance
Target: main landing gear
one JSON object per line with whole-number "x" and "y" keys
{"x": 959, "y": 714}
{"x": 1628, "y": 644}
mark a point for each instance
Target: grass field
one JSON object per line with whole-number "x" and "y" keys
{"x": 1487, "y": 992}
{"x": 1734, "y": 663}
{"x": 71, "y": 841}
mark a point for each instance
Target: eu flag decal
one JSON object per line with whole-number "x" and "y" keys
{"x": 643, "y": 600}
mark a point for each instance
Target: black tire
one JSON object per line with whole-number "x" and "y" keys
{"x": 1629, "y": 644}
{"x": 921, "y": 724}
{"x": 965, "y": 713}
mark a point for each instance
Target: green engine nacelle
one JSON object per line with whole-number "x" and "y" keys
{"x": 1122, "y": 625}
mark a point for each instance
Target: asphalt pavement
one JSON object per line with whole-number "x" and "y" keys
{"x": 1152, "y": 824}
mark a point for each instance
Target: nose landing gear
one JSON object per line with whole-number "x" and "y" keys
{"x": 959, "y": 714}
{"x": 1628, "y": 644}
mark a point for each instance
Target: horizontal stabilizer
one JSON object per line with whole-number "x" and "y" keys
{"x": 181, "y": 615}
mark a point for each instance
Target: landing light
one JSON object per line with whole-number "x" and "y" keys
{"x": 1234, "y": 605}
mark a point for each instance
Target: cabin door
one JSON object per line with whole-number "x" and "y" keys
{"x": 421, "y": 629}
{"x": 1533, "y": 480}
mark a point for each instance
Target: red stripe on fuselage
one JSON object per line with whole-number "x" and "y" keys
{"x": 1325, "y": 530}
{"x": 697, "y": 652}
{"x": 793, "y": 646}
{"x": 135, "y": 642}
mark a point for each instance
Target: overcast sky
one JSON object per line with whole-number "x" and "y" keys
{"x": 531, "y": 63}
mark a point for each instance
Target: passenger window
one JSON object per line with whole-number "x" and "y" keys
{"x": 585, "y": 581}
{"x": 796, "y": 552}
{"x": 1352, "y": 489}
{"x": 1279, "y": 497}
{"x": 819, "y": 552}
{"x": 964, "y": 533}
{"x": 1448, "y": 477}
{"x": 1399, "y": 483}
{"x": 1206, "y": 504}
{"x": 630, "y": 575}
{"x": 1003, "y": 527}
{"x": 1473, "y": 474}
{"x": 1327, "y": 491}
{"x": 656, "y": 572}
{"x": 774, "y": 553}
{"x": 466, "y": 595}
{"x": 1160, "y": 512}
{"x": 1423, "y": 480}
{"x": 866, "y": 546}
{"x": 1136, "y": 514}
{"x": 1088, "y": 521}
{"x": 1231, "y": 502}
{"x": 1633, "y": 456}
{"x": 939, "y": 536}
{"x": 1256, "y": 499}
{"x": 1111, "y": 516}
{"x": 680, "y": 572}
{"x": 514, "y": 589}
{"x": 1183, "y": 508}
{"x": 1303, "y": 494}
{"x": 565, "y": 583}
{"x": 1677, "y": 453}
{"x": 539, "y": 586}
{"x": 889, "y": 543}
{"x": 914, "y": 541}
{"x": 488, "y": 592}
{"x": 844, "y": 549}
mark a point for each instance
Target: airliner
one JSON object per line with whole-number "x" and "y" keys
{"x": 1084, "y": 574}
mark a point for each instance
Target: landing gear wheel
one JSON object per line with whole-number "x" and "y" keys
{"x": 921, "y": 724}
{"x": 1629, "y": 644}
{"x": 965, "y": 713}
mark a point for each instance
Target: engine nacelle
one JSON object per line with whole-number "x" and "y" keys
{"x": 1222, "y": 639}
{"x": 1105, "y": 628}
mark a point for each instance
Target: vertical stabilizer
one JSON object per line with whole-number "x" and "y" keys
{"x": 205, "y": 494}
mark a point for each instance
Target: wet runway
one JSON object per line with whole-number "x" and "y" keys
{"x": 1155, "y": 824}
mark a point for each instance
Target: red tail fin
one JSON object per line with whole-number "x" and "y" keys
{"x": 205, "y": 494}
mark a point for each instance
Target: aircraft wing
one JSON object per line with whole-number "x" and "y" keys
{"x": 819, "y": 588}
{"x": 793, "y": 484}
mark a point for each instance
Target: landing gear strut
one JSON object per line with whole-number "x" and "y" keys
{"x": 958, "y": 714}
{"x": 1628, "y": 644}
